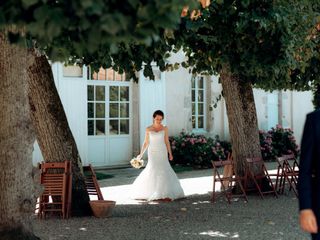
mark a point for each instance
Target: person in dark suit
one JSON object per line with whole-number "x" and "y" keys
{"x": 309, "y": 176}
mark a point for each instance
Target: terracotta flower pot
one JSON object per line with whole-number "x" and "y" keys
{"x": 102, "y": 208}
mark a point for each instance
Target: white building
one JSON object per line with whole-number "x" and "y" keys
{"x": 108, "y": 115}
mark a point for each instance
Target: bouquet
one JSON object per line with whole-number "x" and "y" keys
{"x": 136, "y": 162}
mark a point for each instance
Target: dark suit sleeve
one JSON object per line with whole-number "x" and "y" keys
{"x": 305, "y": 171}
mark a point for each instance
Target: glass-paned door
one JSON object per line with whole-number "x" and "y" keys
{"x": 109, "y": 122}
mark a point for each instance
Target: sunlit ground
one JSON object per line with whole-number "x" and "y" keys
{"x": 191, "y": 186}
{"x": 219, "y": 234}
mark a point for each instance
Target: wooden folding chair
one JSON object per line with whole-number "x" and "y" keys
{"x": 289, "y": 173}
{"x": 257, "y": 171}
{"x": 91, "y": 182}
{"x": 57, "y": 182}
{"x": 228, "y": 182}
{"x": 293, "y": 164}
{"x": 228, "y": 170}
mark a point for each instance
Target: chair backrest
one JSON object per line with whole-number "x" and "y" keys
{"x": 255, "y": 163}
{"x": 54, "y": 177}
{"x": 291, "y": 158}
{"x": 221, "y": 163}
{"x": 58, "y": 167}
{"x": 254, "y": 160}
{"x": 284, "y": 162}
{"x": 281, "y": 159}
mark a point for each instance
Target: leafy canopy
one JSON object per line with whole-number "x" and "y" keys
{"x": 88, "y": 25}
{"x": 262, "y": 41}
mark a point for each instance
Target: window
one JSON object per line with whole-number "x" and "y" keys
{"x": 198, "y": 102}
{"x": 119, "y": 110}
{"x": 96, "y": 110}
{"x": 105, "y": 74}
{"x": 119, "y": 115}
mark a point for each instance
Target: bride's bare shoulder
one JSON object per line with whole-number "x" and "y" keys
{"x": 149, "y": 128}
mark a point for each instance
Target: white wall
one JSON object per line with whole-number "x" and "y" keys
{"x": 294, "y": 107}
{"x": 261, "y": 100}
{"x": 301, "y": 104}
{"x": 73, "y": 95}
{"x": 219, "y": 114}
{"x": 152, "y": 97}
{"x": 178, "y": 98}
{"x": 75, "y": 107}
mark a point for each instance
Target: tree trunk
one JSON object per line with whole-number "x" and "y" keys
{"x": 242, "y": 117}
{"x": 52, "y": 129}
{"x": 17, "y": 189}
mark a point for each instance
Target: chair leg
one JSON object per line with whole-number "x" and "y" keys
{"x": 282, "y": 184}
{"x": 293, "y": 185}
{"x": 243, "y": 191}
{"x": 273, "y": 188}
{"x": 213, "y": 191}
{"x": 225, "y": 191}
{"x": 257, "y": 186}
{"x": 228, "y": 197}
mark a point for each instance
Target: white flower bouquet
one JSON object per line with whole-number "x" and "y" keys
{"x": 136, "y": 162}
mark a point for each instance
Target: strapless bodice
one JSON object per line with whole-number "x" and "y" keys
{"x": 156, "y": 141}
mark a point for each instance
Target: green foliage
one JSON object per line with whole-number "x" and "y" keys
{"x": 198, "y": 150}
{"x": 265, "y": 42}
{"x": 215, "y": 102}
{"x": 277, "y": 142}
{"x": 262, "y": 41}
{"x": 124, "y": 36}
{"x": 311, "y": 74}
{"x": 75, "y": 28}
{"x": 129, "y": 58}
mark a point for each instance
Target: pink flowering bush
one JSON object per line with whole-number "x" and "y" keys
{"x": 276, "y": 142}
{"x": 198, "y": 150}
{"x": 266, "y": 145}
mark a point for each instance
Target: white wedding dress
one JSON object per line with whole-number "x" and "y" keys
{"x": 157, "y": 180}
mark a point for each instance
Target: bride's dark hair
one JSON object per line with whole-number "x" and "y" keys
{"x": 158, "y": 113}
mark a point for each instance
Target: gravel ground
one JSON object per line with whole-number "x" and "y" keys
{"x": 194, "y": 217}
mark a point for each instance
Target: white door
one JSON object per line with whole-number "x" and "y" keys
{"x": 109, "y": 122}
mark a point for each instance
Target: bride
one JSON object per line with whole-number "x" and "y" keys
{"x": 157, "y": 181}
